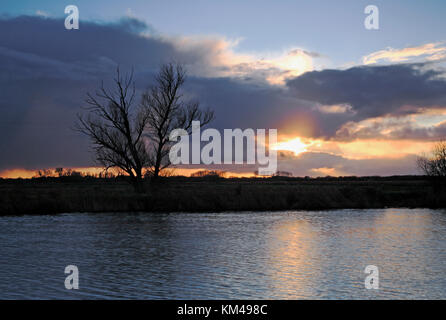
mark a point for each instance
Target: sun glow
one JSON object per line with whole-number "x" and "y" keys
{"x": 293, "y": 64}
{"x": 295, "y": 145}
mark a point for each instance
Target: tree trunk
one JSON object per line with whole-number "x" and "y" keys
{"x": 138, "y": 182}
{"x": 156, "y": 171}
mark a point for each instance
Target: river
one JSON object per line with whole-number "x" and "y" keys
{"x": 249, "y": 255}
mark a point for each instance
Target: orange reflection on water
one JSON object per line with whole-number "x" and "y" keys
{"x": 292, "y": 258}
{"x": 394, "y": 223}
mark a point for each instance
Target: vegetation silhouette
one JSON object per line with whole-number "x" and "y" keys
{"x": 112, "y": 193}
{"x": 434, "y": 163}
{"x": 167, "y": 110}
{"x": 134, "y": 137}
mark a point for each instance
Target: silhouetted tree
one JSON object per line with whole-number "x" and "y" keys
{"x": 434, "y": 164}
{"x": 209, "y": 173}
{"x": 167, "y": 110}
{"x": 59, "y": 172}
{"x": 283, "y": 174}
{"x": 116, "y": 128}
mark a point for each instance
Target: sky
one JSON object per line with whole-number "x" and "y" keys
{"x": 345, "y": 100}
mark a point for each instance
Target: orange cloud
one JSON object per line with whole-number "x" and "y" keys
{"x": 337, "y": 108}
{"x": 428, "y": 125}
{"x": 430, "y": 51}
{"x": 368, "y": 149}
{"x": 333, "y": 172}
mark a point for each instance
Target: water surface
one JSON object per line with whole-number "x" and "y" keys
{"x": 279, "y": 255}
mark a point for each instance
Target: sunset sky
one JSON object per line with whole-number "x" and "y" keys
{"x": 345, "y": 100}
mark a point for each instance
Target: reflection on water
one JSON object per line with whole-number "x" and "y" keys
{"x": 280, "y": 255}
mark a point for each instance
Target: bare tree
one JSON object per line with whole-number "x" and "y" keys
{"x": 116, "y": 128}
{"x": 167, "y": 110}
{"x": 434, "y": 164}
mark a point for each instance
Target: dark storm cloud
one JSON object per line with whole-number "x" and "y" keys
{"x": 117, "y": 42}
{"x": 393, "y": 131}
{"x": 374, "y": 91}
{"x": 427, "y": 133}
{"x": 45, "y": 74}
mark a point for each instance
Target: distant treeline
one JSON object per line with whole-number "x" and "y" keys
{"x": 63, "y": 174}
{"x": 199, "y": 176}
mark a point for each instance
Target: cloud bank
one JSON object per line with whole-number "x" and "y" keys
{"x": 46, "y": 72}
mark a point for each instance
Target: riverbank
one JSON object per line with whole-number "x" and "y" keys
{"x": 176, "y": 194}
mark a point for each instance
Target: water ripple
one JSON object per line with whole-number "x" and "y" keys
{"x": 280, "y": 255}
